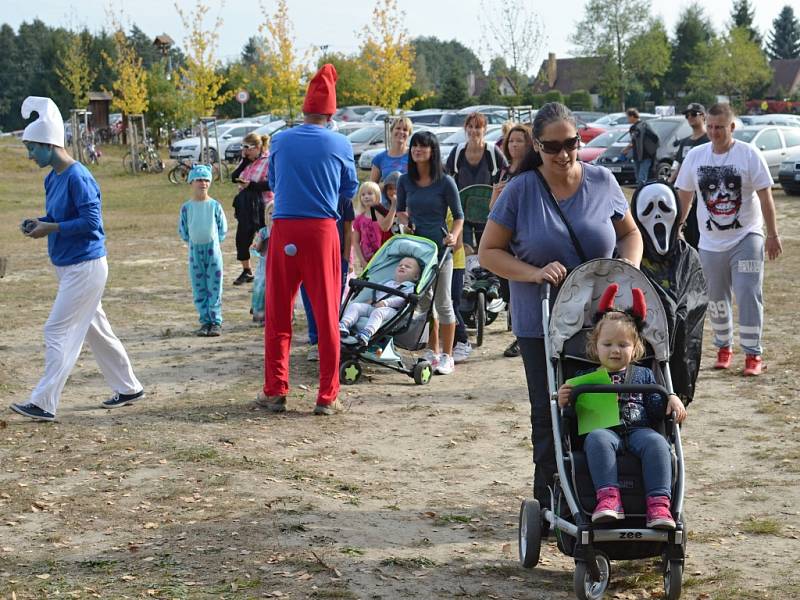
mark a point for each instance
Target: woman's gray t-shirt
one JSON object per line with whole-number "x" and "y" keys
{"x": 427, "y": 206}
{"x": 539, "y": 236}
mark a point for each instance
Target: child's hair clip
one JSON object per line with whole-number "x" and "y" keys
{"x": 638, "y": 311}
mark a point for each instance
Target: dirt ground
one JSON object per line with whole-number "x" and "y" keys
{"x": 414, "y": 493}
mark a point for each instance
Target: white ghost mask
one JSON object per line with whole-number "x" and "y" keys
{"x": 657, "y": 211}
{"x": 49, "y": 127}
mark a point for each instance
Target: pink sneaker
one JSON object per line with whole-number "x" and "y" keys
{"x": 609, "y": 506}
{"x": 658, "y": 515}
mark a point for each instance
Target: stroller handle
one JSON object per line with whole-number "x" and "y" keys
{"x": 623, "y": 388}
{"x": 364, "y": 283}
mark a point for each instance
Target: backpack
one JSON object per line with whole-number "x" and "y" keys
{"x": 491, "y": 151}
{"x": 650, "y": 142}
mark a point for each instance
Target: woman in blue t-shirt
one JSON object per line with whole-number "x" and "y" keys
{"x": 528, "y": 242}
{"x": 423, "y": 196}
{"x": 396, "y": 157}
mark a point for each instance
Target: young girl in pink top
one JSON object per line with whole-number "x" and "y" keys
{"x": 366, "y": 232}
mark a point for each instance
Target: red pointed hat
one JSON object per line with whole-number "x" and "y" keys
{"x": 321, "y": 94}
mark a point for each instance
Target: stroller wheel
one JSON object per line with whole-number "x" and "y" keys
{"x": 585, "y": 587}
{"x": 673, "y": 579}
{"x": 350, "y": 372}
{"x": 530, "y": 533}
{"x": 422, "y": 372}
{"x": 480, "y": 318}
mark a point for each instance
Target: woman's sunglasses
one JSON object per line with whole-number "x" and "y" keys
{"x": 247, "y": 147}
{"x": 552, "y": 147}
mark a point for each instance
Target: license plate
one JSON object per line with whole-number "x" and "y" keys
{"x": 797, "y": 176}
{"x": 615, "y": 169}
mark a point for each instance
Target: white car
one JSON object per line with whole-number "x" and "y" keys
{"x": 775, "y": 143}
{"x": 459, "y": 137}
{"x": 189, "y": 148}
{"x": 365, "y": 160}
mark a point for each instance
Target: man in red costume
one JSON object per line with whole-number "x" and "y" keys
{"x": 310, "y": 168}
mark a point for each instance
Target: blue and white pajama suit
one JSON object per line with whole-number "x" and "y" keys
{"x": 203, "y": 226}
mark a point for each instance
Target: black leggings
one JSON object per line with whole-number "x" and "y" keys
{"x": 544, "y": 456}
{"x": 245, "y": 232}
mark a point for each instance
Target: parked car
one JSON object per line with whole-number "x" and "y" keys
{"x": 772, "y": 119}
{"x": 775, "y": 143}
{"x": 429, "y": 117}
{"x": 789, "y": 174}
{"x": 588, "y": 131}
{"x": 458, "y": 118}
{"x": 588, "y": 116}
{"x": 365, "y": 160}
{"x": 459, "y": 136}
{"x": 589, "y": 152}
{"x": 375, "y": 116}
{"x": 670, "y": 131}
{"x": 367, "y": 137}
{"x": 189, "y": 148}
{"x": 233, "y": 151}
{"x": 618, "y": 118}
{"x": 352, "y": 113}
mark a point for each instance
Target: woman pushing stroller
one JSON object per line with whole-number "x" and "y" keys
{"x": 616, "y": 344}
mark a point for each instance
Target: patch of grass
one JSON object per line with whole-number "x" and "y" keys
{"x": 96, "y": 565}
{"x": 417, "y": 562}
{"x": 195, "y": 454}
{"x": 761, "y": 526}
{"x": 350, "y": 551}
{"x": 334, "y": 592}
{"x": 352, "y": 488}
{"x": 447, "y": 518}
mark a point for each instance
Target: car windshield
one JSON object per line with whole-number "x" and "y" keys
{"x": 663, "y": 129}
{"x": 744, "y": 135}
{"x": 608, "y": 119}
{"x": 363, "y": 135}
{"x": 453, "y": 120}
{"x": 494, "y": 135}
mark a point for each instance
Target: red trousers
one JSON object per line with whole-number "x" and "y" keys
{"x": 317, "y": 264}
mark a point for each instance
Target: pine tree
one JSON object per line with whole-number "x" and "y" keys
{"x": 784, "y": 39}
{"x": 742, "y": 17}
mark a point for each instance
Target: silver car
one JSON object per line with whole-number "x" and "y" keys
{"x": 775, "y": 143}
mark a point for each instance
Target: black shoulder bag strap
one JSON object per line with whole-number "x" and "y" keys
{"x": 554, "y": 202}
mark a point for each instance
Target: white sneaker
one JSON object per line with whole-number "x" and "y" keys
{"x": 431, "y": 357}
{"x": 446, "y": 365}
{"x": 461, "y": 352}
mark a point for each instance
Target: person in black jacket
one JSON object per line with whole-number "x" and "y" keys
{"x": 249, "y": 203}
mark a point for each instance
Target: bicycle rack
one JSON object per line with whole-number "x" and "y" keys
{"x": 78, "y": 117}
{"x": 205, "y": 124}
{"x": 516, "y": 113}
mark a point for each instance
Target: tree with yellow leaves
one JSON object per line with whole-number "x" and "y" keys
{"x": 278, "y": 80}
{"x": 200, "y": 79}
{"x": 74, "y": 71}
{"x": 130, "y": 85}
{"x": 388, "y": 56}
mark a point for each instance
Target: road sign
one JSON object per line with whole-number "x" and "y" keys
{"x": 242, "y": 96}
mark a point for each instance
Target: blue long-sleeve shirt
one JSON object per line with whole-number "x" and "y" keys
{"x": 202, "y": 222}
{"x": 309, "y": 168}
{"x": 72, "y": 199}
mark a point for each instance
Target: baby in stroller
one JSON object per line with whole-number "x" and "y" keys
{"x": 615, "y": 343}
{"x": 382, "y": 307}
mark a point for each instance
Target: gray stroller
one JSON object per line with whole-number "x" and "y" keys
{"x": 593, "y": 546}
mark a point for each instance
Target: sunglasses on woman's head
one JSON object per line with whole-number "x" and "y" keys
{"x": 553, "y": 147}
{"x": 247, "y": 147}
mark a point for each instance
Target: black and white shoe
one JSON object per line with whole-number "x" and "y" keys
{"x": 122, "y": 399}
{"x": 32, "y": 411}
{"x": 246, "y": 276}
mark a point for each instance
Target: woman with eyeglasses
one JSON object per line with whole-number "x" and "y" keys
{"x": 527, "y": 241}
{"x": 250, "y": 203}
{"x": 424, "y": 195}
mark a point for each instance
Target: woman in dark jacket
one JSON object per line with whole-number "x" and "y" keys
{"x": 249, "y": 203}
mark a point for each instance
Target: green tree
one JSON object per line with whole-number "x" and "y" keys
{"x": 491, "y": 93}
{"x": 607, "y": 30}
{"x": 692, "y": 31}
{"x": 353, "y": 78}
{"x": 12, "y": 81}
{"x": 75, "y": 72}
{"x": 166, "y": 107}
{"x": 454, "y": 92}
{"x": 647, "y": 58}
{"x": 441, "y": 60}
{"x": 580, "y": 100}
{"x": 554, "y": 96}
{"x": 130, "y": 82}
{"x": 784, "y": 39}
{"x": 742, "y": 17}
{"x": 517, "y": 32}
{"x": 733, "y": 65}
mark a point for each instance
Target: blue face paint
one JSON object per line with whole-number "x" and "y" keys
{"x": 41, "y": 154}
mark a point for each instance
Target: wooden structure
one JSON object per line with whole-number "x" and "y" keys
{"x": 99, "y": 109}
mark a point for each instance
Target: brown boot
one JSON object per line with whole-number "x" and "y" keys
{"x": 276, "y": 404}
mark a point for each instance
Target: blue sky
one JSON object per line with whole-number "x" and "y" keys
{"x": 336, "y": 24}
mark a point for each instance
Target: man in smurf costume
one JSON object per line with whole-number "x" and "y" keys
{"x": 73, "y": 225}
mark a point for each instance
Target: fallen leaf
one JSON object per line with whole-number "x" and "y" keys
{"x": 127, "y": 578}
{"x": 150, "y": 525}
{"x": 43, "y": 576}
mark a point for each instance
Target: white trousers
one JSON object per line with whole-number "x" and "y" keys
{"x": 77, "y": 315}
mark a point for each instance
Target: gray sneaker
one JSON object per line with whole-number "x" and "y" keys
{"x": 214, "y": 330}
{"x": 203, "y": 331}
{"x": 275, "y": 404}
{"x": 334, "y": 407}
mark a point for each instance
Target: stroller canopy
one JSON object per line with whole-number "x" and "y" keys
{"x": 577, "y": 300}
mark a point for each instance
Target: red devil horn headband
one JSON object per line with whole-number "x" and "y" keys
{"x": 638, "y": 311}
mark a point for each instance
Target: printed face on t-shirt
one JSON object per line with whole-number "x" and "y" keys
{"x": 721, "y": 189}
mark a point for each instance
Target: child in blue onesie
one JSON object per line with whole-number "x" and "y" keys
{"x": 203, "y": 226}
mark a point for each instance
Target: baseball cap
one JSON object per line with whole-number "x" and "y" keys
{"x": 695, "y": 107}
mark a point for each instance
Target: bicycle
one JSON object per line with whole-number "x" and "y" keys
{"x": 180, "y": 172}
{"x": 148, "y": 159}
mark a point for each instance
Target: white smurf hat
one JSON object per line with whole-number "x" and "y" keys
{"x": 49, "y": 127}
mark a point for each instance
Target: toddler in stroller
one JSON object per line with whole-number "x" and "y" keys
{"x": 382, "y": 306}
{"x": 651, "y": 523}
